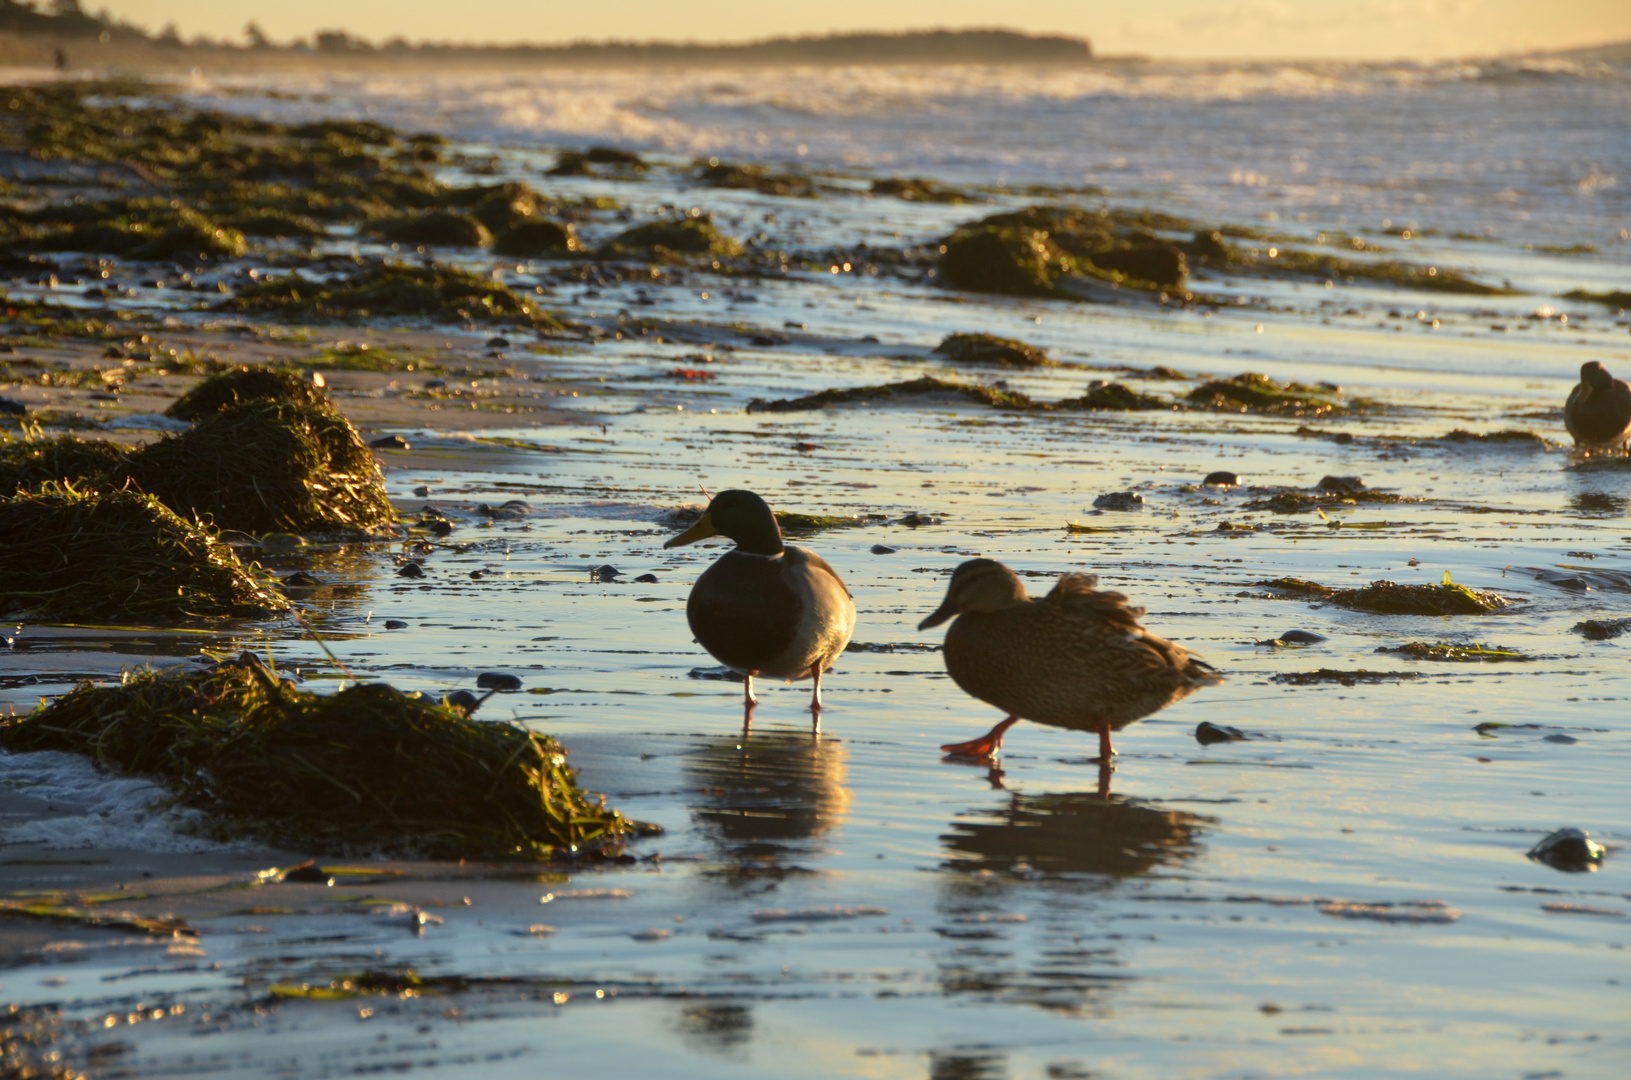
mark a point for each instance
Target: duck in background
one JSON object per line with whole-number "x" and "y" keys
{"x": 1076, "y": 658}
{"x": 1598, "y": 412}
{"x": 765, "y": 608}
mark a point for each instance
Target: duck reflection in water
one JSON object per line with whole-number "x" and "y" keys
{"x": 768, "y": 798}
{"x": 1074, "y": 833}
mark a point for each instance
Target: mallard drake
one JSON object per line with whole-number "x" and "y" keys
{"x": 1598, "y": 412}
{"x": 765, "y": 607}
{"x": 1076, "y": 658}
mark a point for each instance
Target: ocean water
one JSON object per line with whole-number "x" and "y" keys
{"x": 1343, "y": 894}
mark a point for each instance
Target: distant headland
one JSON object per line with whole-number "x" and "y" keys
{"x": 68, "y": 36}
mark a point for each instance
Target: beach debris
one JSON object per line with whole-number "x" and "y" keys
{"x": 1043, "y": 250}
{"x": 308, "y": 873}
{"x": 824, "y": 913}
{"x": 1207, "y": 733}
{"x": 605, "y": 573}
{"x": 1470, "y": 653}
{"x": 1602, "y": 629}
{"x": 916, "y": 189}
{"x": 883, "y": 549}
{"x": 411, "y": 570}
{"x": 51, "y": 909}
{"x": 646, "y": 579}
{"x": 121, "y": 554}
{"x": 720, "y": 674}
{"x": 1412, "y": 912}
{"x": 259, "y": 757}
{"x": 1570, "y": 850}
{"x": 991, "y": 349}
{"x": 716, "y": 173}
{"x": 650, "y": 936}
{"x": 925, "y": 386}
{"x": 497, "y": 680}
{"x": 1222, "y": 478}
{"x": 1345, "y": 484}
{"x": 1103, "y": 396}
{"x": 1119, "y": 500}
{"x": 8, "y": 407}
{"x": 1509, "y": 437}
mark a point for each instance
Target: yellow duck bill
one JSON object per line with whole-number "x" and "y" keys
{"x": 703, "y": 529}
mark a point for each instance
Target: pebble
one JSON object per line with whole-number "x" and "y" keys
{"x": 1348, "y": 484}
{"x": 1119, "y": 500}
{"x": 1342, "y": 438}
{"x": 395, "y": 624}
{"x": 1569, "y": 849}
{"x": 1566, "y": 740}
{"x": 1222, "y": 478}
{"x": 498, "y": 680}
{"x": 412, "y": 569}
{"x": 606, "y": 573}
{"x": 1208, "y": 733}
{"x": 647, "y": 579}
{"x": 498, "y": 343}
{"x": 464, "y": 700}
{"x": 883, "y": 549}
{"x": 1301, "y": 637}
{"x": 391, "y": 442}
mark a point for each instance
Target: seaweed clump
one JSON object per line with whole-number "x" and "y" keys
{"x": 369, "y": 768}
{"x": 991, "y": 349}
{"x": 1034, "y": 251}
{"x": 674, "y": 238}
{"x": 436, "y": 292}
{"x": 268, "y": 466}
{"x": 1449, "y": 651}
{"x": 536, "y": 238}
{"x": 1251, "y": 392}
{"x": 917, "y": 189}
{"x": 437, "y": 227}
{"x": 1296, "y": 501}
{"x": 1602, "y": 629}
{"x": 243, "y": 384}
{"x": 982, "y": 395}
{"x": 1114, "y": 397}
{"x": 1391, "y": 598}
{"x": 30, "y": 462}
{"x": 120, "y": 555}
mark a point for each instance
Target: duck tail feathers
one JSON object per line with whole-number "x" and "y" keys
{"x": 1078, "y": 592}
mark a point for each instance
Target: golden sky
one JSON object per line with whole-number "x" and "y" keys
{"x": 1349, "y": 29}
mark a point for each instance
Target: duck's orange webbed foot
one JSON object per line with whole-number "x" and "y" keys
{"x": 985, "y": 746}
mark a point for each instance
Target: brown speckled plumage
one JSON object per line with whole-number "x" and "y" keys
{"x": 1076, "y": 658}
{"x": 1598, "y": 412}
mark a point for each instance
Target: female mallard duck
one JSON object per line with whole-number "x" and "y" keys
{"x": 1076, "y": 658}
{"x": 1598, "y": 412}
{"x": 765, "y": 608}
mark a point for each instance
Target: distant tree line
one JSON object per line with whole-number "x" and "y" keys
{"x": 66, "y": 19}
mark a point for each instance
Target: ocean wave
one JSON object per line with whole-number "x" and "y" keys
{"x": 95, "y": 809}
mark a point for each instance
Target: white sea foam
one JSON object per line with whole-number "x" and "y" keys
{"x": 1518, "y": 147}
{"x": 94, "y": 809}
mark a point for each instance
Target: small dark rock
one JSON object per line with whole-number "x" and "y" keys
{"x": 1602, "y": 629}
{"x": 391, "y": 442}
{"x": 606, "y": 573}
{"x": 1345, "y": 484}
{"x": 1119, "y": 500}
{"x": 395, "y": 624}
{"x": 439, "y": 527}
{"x": 1207, "y": 733}
{"x": 412, "y": 569}
{"x": 1222, "y": 478}
{"x": 9, "y": 407}
{"x": 309, "y": 874}
{"x": 882, "y": 549}
{"x": 301, "y": 579}
{"x": 1570, "y": 850}
{"x": 435, "y": 384}
{"x": 498, "y": 343}
{"x": 1342, "y": 438}
{"x": 463, "y": 700}
{"x": 721, "y": 674}
{"x": 1566, "y": 740}
{"x": 498, "y": 680}
{"x": 477, "y": 575}
{"x": 1301, "y": 637}
{"x": 646, "y": 579}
